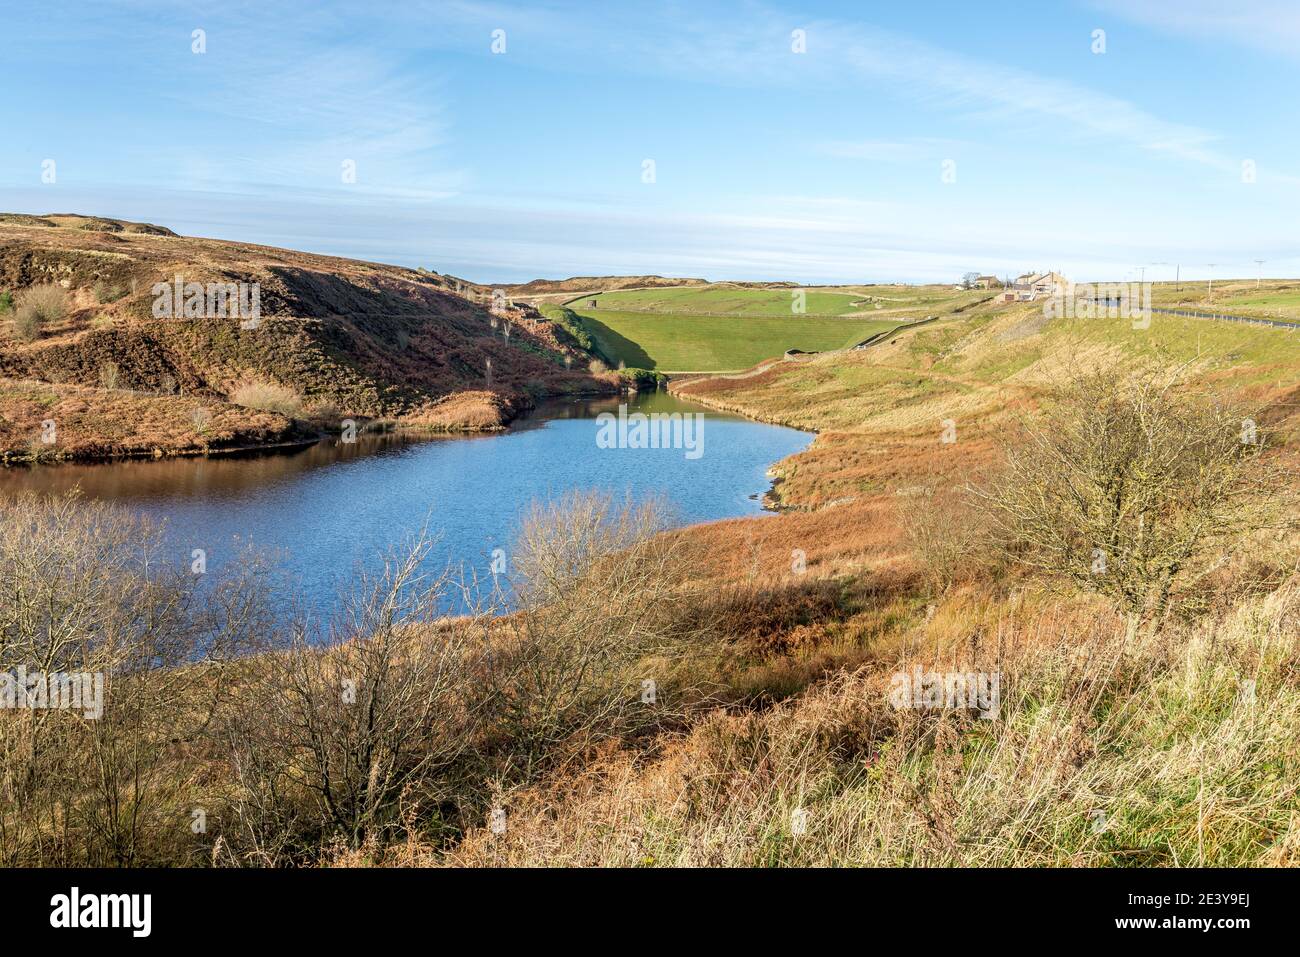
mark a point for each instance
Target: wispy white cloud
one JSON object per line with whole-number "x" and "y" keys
{"x": 1269, "y": 25}
{"x": 755, "y": 50}
{"x": 1060, "y": 108}
{"x": 298, "y": 119}
{"x": 946, "y": 81}
{"x": 281, "y": 97}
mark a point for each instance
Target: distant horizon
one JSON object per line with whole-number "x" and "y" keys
{"x": 1186, "y": 277}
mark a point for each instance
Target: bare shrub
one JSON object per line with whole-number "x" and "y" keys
{"x": 944, "y": 533}
{"x": 599, "y": 599}
{"x": 597, "y": 367}
{"x": 344, "y": 732}
{"x": 267, "y": 397}
{"x": 390, "y": 730}
{"x": 37, "y": 308}
{"x": 1126, "y": 488}
{"x": 84, "y": 592}
{"x": 26, "y": 324}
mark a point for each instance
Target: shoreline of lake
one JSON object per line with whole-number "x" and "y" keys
{"x": 372, "y": 426}
{"x": 330, "y": 507}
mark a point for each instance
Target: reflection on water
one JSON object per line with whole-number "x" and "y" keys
{"x": 329, "y": 507}
{"x": 216, "y": 478}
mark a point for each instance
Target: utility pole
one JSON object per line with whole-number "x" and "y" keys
{"x": 1259, "y": 271}
{"x": 1178, "y": 281}
{"x": 1211, "y": 292}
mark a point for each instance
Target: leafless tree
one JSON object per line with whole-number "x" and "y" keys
{"x": 597, "y": 627}
{"x": 1128, "y": 485}
{"x": 376, "y": 712}
{"x": 83, "y": 591}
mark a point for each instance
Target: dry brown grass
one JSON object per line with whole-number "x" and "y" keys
{"x": 39, "y": 307}
{"x": 372, "y": 341}
{"x": 476, "y": 411}
{"x": 1104, "y": 753}
{"x": 267, "y": 396}
{"x": 97, "y": 424}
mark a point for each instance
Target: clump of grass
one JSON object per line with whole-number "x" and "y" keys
{"x": 106, "y": 293}
{"x": 109, "y": 375}
{"x": 267, "y": 396}
{"x": 325, "y": 412}
{"x": 6, "y": 302}
{"x": 944, "y": 533}
{"x": 38, "y": 307}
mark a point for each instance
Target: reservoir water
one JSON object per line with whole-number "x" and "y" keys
{"x": 333, "y": 507}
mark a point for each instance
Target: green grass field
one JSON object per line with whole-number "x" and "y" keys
{"x": 733, "y": 300}
{"x": 728, "y": 300}
{"x": 674, "y": 343}
{"x": 725, "y": 328}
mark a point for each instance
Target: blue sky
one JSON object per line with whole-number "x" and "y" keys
{"x": 821, "y": 166}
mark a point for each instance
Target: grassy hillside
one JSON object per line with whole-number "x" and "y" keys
{"x": 94, "y": 224}
{"x": 1110, "y": 749}
{"x": 561, "y": 289}
{"x": 732, "y": 326}
{"x": 683, "y": 343}
{"x": 726, "y": 299}
{"x": 879, "y": 410}
{"x": 337, "y": 338}
{"x": 778, "y": 299}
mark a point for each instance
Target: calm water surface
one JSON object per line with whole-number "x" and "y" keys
{"x": 331, "y": 508}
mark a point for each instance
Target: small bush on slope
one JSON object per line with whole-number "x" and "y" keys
{"x": 1132, "y": 489}
{"x": 38, "y": 307}
{"x": 108, "y": 292}
{"x": 267, "y": 397}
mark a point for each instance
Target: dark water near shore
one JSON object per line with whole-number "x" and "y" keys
{"x": 328, "y": 509}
